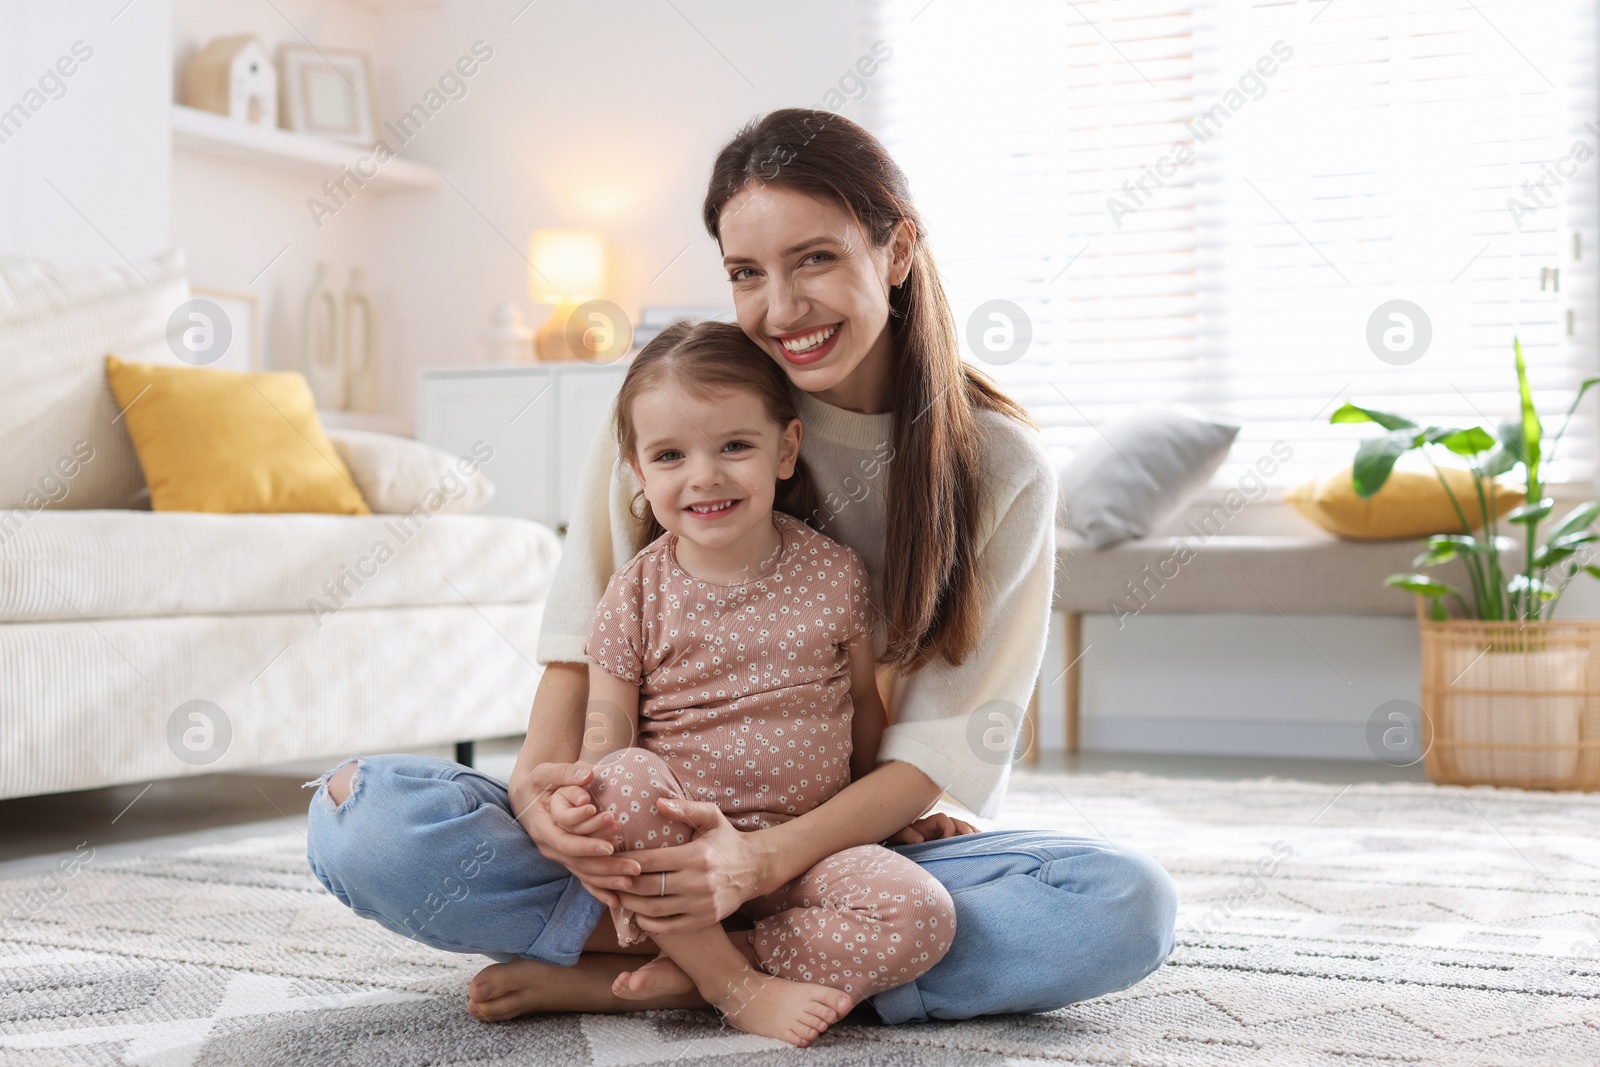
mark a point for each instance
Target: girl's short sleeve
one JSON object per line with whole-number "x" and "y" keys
{"x": 616, "y": 637}
{"x": 862, "y": 611}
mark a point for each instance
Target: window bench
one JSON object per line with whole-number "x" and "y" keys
{"x": 1269, "y": 575}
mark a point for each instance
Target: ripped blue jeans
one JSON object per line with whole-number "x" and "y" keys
{"x": 429, "y": 849}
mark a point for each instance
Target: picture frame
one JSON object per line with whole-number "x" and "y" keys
{"x": 653, "y": 318}
{"x": 243, "y": 311}
{"x": 327, "y": 93}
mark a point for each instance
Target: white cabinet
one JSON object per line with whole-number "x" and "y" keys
{"x": 540, "y": 419}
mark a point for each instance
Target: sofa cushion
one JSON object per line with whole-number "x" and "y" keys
{"x": 231, "y": 443}
{"x": 59, "y": 565}
{"x": 395, "y": 474}
{"x": 1412, "y": 504}
{"x": 1223, "y": 574}
{"x": 1138, "y": 472}
{"x": 57, "y": 324}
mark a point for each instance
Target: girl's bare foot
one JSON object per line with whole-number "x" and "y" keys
{"x": 658, "y": 978}
{"x": 773, "y": 1007}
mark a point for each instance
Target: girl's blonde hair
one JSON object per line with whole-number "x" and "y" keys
{"x": 708, "y": 358}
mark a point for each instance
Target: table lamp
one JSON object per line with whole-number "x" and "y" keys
{"x": 566, "y": 268}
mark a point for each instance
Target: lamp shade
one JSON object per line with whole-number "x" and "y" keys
{"x": 567, "y": 266}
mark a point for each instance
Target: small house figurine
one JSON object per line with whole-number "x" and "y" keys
{"x": 233, "y": 76}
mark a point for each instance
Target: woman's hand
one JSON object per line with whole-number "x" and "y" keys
{"x": 555, "y": 809}
{"x": 934, "y": 827}
{"x": 706, "y": 879}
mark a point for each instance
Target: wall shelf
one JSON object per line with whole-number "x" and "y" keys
{"x": 208, "y": 134}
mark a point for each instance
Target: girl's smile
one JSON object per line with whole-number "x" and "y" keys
{"x": 712, "y": 509}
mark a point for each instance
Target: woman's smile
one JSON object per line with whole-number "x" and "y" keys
{"x": 801, "y": 347}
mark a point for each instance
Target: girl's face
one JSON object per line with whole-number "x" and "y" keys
{"x": 710, "y": 465}
{"x": 813, "y": 292}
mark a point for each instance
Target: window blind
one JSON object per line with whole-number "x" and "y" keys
{"x": 1218, "y": 203}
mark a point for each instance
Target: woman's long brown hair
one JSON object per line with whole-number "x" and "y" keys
{"x": 931, "y": 598}
{"x": 709, "y": 358}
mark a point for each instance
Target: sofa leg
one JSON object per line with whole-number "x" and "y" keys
{"x": 1073, "y": 681}
{"x": 464, "y": 753}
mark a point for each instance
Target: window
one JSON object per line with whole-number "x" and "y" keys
{"x": 1216, "y": 203}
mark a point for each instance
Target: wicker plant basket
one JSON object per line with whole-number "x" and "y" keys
{"x": 1510, "y": 703}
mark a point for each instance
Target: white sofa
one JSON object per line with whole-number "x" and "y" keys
{"x": 114, "y": 618}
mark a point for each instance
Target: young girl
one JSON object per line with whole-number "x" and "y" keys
{"x": 747, "y": 636}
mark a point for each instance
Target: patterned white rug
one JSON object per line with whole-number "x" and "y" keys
{"x": 1318, "y": 925}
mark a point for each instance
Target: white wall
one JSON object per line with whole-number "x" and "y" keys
{"x": 234, "y": 219}
{"x": 1245, "y": 685}
{"x": 600, "y": 116}
{"x": 100, "y": 136}
{"x": 603, "y": 115}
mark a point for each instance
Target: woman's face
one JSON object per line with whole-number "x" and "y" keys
{"x": 813, "y": 292}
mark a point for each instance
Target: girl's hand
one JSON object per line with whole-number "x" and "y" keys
{"x": 582, "y": 841}
{"x": 706, "y": 879}
{"x": 934, "y": 827}
{"x": 574, "y": 810}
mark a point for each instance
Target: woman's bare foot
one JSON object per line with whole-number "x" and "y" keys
{"x": 773, "y": 1007}
{"x": 506, "y": 990}
{"x": 658, "y": 978}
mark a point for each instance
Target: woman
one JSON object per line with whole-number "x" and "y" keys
{"x": 932, "y": 476}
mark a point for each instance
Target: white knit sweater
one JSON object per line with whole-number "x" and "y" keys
{"x": 943, "y": 716}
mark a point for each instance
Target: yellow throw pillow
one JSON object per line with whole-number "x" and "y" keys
{"x": 221, "y": 441}
{"x": 1410, "y": 504}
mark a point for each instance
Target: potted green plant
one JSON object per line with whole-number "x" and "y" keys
{"x": 1510, "y": 696}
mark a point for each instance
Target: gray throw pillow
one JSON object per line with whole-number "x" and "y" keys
{"x": 1137, "y": 473}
